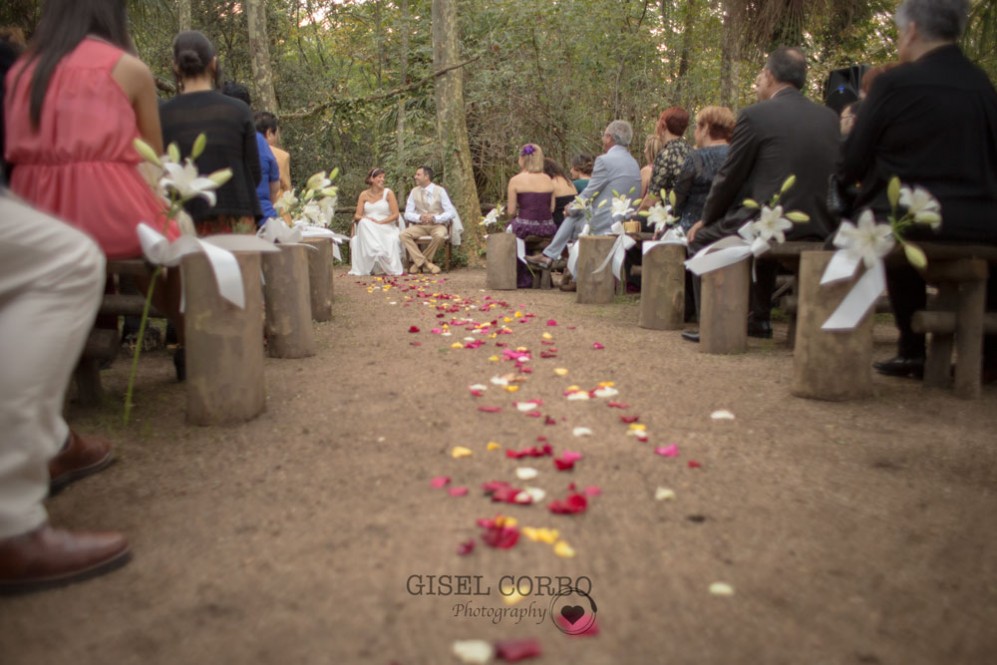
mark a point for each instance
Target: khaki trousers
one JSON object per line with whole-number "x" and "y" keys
{"x": 438, "y": 232}
{"x": 51, "y": 284}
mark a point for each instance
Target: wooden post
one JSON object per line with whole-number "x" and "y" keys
{"x": 288, "y": 306}
{"x": 662, "y": 288}
{"x": 320, "y": 278}
{"x": 969, "y": 340}
{"x": 828, "y": 365}
{"x": 723, "y": 316}
{"x": 598, "y": 288}
{"x": 501, "y": 261}
{"x": 224, "y": 344}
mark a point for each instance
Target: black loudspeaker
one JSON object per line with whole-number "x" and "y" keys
{"x": 842, "y": 86}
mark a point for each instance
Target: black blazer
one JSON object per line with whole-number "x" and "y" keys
{"x": 933, "y": 123}
{"x": 782, "y": 136}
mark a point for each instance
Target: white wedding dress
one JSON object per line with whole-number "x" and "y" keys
{"x": 376, "y": 247}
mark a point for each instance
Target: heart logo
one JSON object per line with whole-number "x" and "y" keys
{"x": 572, "y": 613}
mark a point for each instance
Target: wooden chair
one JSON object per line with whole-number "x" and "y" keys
{"x": 423, "y": 243}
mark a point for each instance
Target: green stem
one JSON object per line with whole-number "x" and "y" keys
{"x": 138, "y": 344}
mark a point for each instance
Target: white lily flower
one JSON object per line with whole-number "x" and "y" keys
{"x": 660, "y": 216}
{"x": 328, "y": 208}
{"x": 493, "y": 216}
{"x": 318, "y": 181}
{"x": 187, "y": 183}
{"x": 620, "y": 206}
{"x": 771, "y": 225}
{"x": 868, "y": 241}
{"x": 924, "y": 207}
{"x": 286, "y": 202}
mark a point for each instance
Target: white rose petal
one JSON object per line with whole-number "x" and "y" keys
{"x": 473, "y": 652}
{"x": 582, "y": 431}
{"x": 526, "y": 473}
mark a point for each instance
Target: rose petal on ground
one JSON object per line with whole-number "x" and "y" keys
{"x": 571, "y": 456}
{"x": 439, "y": 481}
{"x": 618, "y": 405}
{"x": 492, "y": 445}
{"x": 529, "y": 406}
{"x": 551, "y": 322}
{"x": 564, "y": 550}
{"x": 493, "y": 359}
{"x": 456, "y": 345}
{"x": 457, "y": 491}
{"x": 473, "y": 652}
{"x": 489, "y": 409}
{"x": 671, "y": 450}
{"x": 500, "y": 537}
{"x": 415, "y": 343}
{"x": 561, "y": 371}
{"x": 593, "y": 490}
{"x": 573, "y": 504}
{"x": 629, "y": 419}
{"x": 722, "y": 414}
{"x": 526, "y": 473}
{"x": 499, "y": 381}
{"x": 721, "y": 589}
{"x": 535, "y": 495}
{"x": 581, "y": 431}
{"x": 693, "y": 464}
{"x": 465, "y": 548}
{"x": 534, "y": 414}
{"x": 547, "y": 335}
{"x": 580, "y": 395}
{"x": 606, "y": 391}
{"x": 413, "y": 329}
{"x": 511, "y": 389}
{"x": 549, "y": 421}
{"x": 513, "y": 651}
{"x": 563, "y": 465}
{"x": 541, "y": 534}
{"x": 664, "y": 494}
{"x": 460, "y": 451}
{"x": 597, "y": 346}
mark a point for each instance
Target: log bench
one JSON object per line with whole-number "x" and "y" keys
{"x": 957, "y": 318}
{"x": 103, "y": 343}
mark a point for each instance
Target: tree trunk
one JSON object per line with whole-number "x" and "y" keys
{"x": 451, "y": 124}
{"x": 690, "y": 13}
{"x": 728, "y": 60}
{"x": 259, "y": 46}
{"x": 183, "y": 13}
{"x": 400, "y": 127}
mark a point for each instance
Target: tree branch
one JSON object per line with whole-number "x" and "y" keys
{"x": 386, "y": 94}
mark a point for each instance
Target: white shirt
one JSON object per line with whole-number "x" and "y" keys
{"x": 431, "y": 191}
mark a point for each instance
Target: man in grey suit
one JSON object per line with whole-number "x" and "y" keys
{"x": 783, "y": 134}
{"x": 615, "y": 170}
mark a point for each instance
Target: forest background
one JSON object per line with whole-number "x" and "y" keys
{"x": 461, "y": 84}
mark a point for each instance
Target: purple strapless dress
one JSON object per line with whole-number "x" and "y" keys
{"x": 534, "y": 217}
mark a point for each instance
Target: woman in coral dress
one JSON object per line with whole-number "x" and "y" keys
{"x": 75, "y": 102}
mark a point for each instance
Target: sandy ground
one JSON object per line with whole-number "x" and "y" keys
{"x": 859, "y": 532}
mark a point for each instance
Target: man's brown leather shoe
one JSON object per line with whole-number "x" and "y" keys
{"x": 78, "y": 458}
{"x": 46, "y": 558}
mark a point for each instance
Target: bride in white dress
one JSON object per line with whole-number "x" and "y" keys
{"x": 375, "y": 245}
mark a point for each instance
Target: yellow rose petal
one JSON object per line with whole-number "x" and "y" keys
{"x": 607, "y": 384}
{"x": 721, "y": 589}
{"x": 547, "y": 336}
{"x": 456, "y": 345}
{"x": 460, "y": 451}
{"x": 563, "y": 549}
{"x": 511, "y": 389}
{"x": 561, "y": 371}
{"x": 492, "y": 445}
{"x": 493, "y": 359}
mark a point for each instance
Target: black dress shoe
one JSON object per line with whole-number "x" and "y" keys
{"x": 761, "y": 329}
{"x": 901, "y": 366}
{"x": 691, "y": 336}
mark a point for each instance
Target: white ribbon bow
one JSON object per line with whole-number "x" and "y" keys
{"x": 574, "y": 249}
{"x": 867, "y": 243}
{"x": 619, "y": 251}
{"x": 275, "y": 230}
{"x": 728, "y": 251}
{"x": 673, "y": 236}
{"x": 218, "y": 250}
{"x": 311, "y": 231}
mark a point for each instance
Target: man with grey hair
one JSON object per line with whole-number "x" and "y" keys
{"x": 932, "y": 122}
{"x": 783, "y": 134}
{"x": 614, "y": 170}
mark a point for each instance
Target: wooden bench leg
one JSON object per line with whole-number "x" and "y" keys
{"x": 939, "y": 359}
{"x": 969, "y": 339}
{"x": 87, "y": 377}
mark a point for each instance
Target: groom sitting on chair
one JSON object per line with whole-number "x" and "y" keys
{"x": 427, "y": 213}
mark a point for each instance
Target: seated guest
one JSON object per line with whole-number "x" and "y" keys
{"x": 376, "y": 243}
{"x": 671, "y": 127}
{"x": 652, "y": 147}
{"x": 76, "y": 100}
{"x": 581, "y": 171}
{"x": 783, "y": 134}
{"x": 932, "y": 122}
{"x": 564, "y": 189}
{"x": 530, "y": 201}
{"x": 714, "y": 127}
{"x": 427, "y": 211}
{"x": 227, "y": 123}
{"x": 870, "y": 77}
{"x": 615, "y": 170}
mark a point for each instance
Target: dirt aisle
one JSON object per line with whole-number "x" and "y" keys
{"x": 850, "y": 533}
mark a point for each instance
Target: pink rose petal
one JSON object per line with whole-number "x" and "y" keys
{"x": 667, "y": 451}
{"x": 457, "y": 491}
{"x": 439, "y": 481}
{"x": 513, "y": 651}
{"x": 465, "y": 548}
{"x": 597, "y": 346}
{"x": 551, "y": 322}
{"x": 593, "y": 490}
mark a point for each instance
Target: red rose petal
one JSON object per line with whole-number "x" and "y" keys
{"x": 593, "y": 490}
{"x": 501, "y": 537}
{"x": 597, "y": 346}
{"x": 513, "y": 651}
{"x": 551, "y": 322}
{"x": 629, "y": 419}
{"x": 415, "y": 343}
{"x": 549, "y": 421}
{"x": 490, "y": 409}
{"x": 573, "y": 504}
{"x": 564, "y": 465}
{"x": 465, "y": 548}
{"x": 693, "y": 464}
{"x": 618, "y": 405}
{"x": 439, "y": 481}
{"x": 413, "y": 329}
{"x": 534, "y": 414}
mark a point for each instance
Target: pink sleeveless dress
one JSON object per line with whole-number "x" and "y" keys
{"x": 80, "y": 164}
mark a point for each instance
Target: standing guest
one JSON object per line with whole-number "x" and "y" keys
{"x": 376, "y": 243}
{"x": 427, "y": 212}
{"x": 268, "y": 188}
{"x": 652, "y": 147}
{"x": 228, "y": 126}
{"x": 74, "y": 103}
{"x": 783, "y": 134}
{"x": 671, "y": 127}
{"x": 564, "y": 190}
{"x": 530, "y": 202}
{"x": 581, "y": 171}
{"x": 272, "y": 134}
{"x": 932, "y": 122}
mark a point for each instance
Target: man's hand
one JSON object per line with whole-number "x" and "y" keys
{"x": 691, "y": 233}
{"x": 426, "y": 218}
